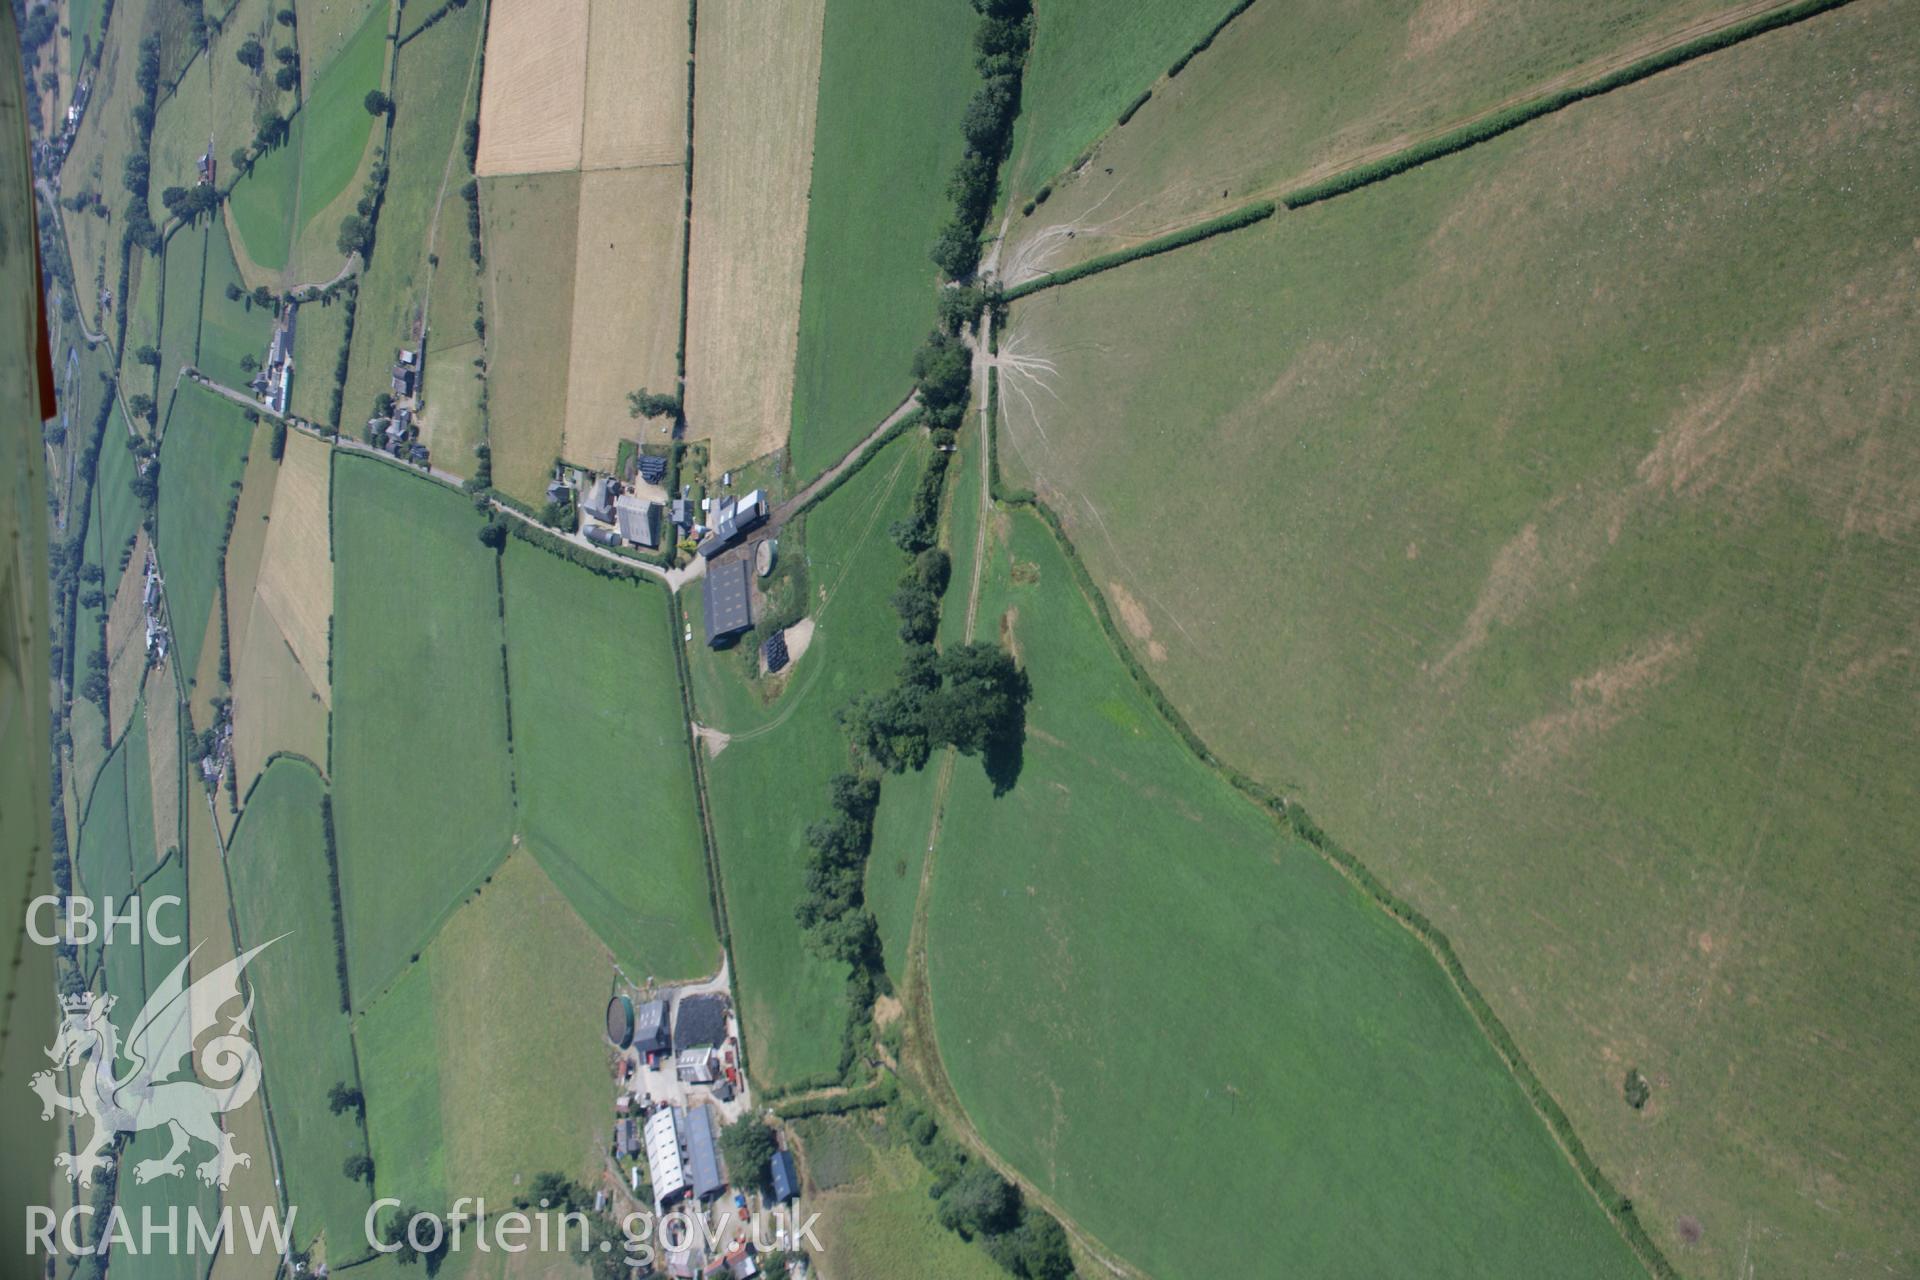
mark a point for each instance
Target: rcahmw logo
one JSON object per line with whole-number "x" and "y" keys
{"x": 152, "y": 1080}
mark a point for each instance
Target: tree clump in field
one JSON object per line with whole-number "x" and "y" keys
{"x": 749, "y": 1144}
{"x": 974, "y": 1201}
{"x": 1637, "y": 1089}
{"x": 649, "y": 404}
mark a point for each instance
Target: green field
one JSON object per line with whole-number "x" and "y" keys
{"x": 766, "y": 788}
{"x": 487, "y": 1064}
{"x": 277, "y": 867}
{"x": 103, "y": 867}
{"x": 433, "y": 94}
{"x": 423, "y": 804}
{"x": 201, "y": 459}
{"x": 264, "y": 202}
{"x": 605, "y": 782}
{"x": 1128, "y": 957}
{"x": 318, "y": 331}
{"x": 894, "y": 79}
{"x": 83, "y": 19}
{"x": 1574, "y": 467}
{"x": 229, "y": 330}
{"x": 1090, "y": 59}
{"x": 1356, "y": 83}
{"x": 157, "y": 1197}
{"x": 327, "y": 27}
{"x": 338, "y": 125}
{"x": 183, "y": 269}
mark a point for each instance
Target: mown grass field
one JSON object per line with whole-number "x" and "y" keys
{"x": 264, "y": 203}
{"x": 327, "y": 27}
{"x": 1283, "y": 96}
{"x": 1573, "y": 468}
{"x": 433, "y": 95}
{"x": 277, "y": 866}
{"x": 338, "y": 124}
{"x": 1091, "y": 58}
{"x": 453, "y": 421}
{"x": 487, "y": 1063}
{"x": 765, "y": 789}
{"x": 201, "y": 460}
{"x": 605, "y": 782}
{"x": 1277, "y": 1032}
{"x": 894, "y": 79}
{"x": 423, "y": 804}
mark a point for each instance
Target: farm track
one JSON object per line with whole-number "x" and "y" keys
{"x": 1027, "y": 264}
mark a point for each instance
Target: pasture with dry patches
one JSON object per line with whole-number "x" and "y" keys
{"x": 1571, "y": 478}
{"x": 1282, "y": 97}
{"x": 753, "y": 144}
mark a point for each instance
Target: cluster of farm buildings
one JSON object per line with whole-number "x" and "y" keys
{"x": 680, "y": 1082}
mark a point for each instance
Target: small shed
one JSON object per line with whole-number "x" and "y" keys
{"x": 786, "y": 1178}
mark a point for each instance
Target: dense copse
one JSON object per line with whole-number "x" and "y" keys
{"x": 139, "y": 228}
{"x": 1000, "y": 48}
{"x": 833, "y": 908}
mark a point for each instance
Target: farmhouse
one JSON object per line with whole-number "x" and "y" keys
{"x": 725, "y": 599}
{"x": 638, "y": 520}
{"x": 598, "y": 500}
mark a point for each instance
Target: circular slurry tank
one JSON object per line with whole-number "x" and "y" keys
{"x": 620, "y": 1021}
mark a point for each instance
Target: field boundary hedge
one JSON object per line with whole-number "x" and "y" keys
{"x": 1492, "y": 126}
{"x": 1245, "y": 216}
{"x": 1294, "y": 817}
{"x": 716, "y": 887}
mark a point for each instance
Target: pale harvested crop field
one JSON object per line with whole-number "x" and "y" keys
{"x": 532, "y": 104}
{"x": 532, "y": 234}
{"x": 127, "y": 639}
{"x": 163, "y": 756}
{"x": 296, "y": 570}
{"x": 626, "y": 324}
{"x": 758, "y": 69}
{"x": 636, "y": 99}
{"x": 276, "y": 706}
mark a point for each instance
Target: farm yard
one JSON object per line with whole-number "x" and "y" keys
{"x": 757, "y": 86}
{"x": 1521, "y": 586}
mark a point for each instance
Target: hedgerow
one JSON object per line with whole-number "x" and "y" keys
{"x": 1500, "y": 122}
{"x": 1238, "y": 218}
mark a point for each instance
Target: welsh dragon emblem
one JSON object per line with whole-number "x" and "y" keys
{"x": 162, "y": 1084}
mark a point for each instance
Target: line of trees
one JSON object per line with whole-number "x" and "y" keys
{"x": 1000, "y": 47}
{"x": 974, "y": 1201}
